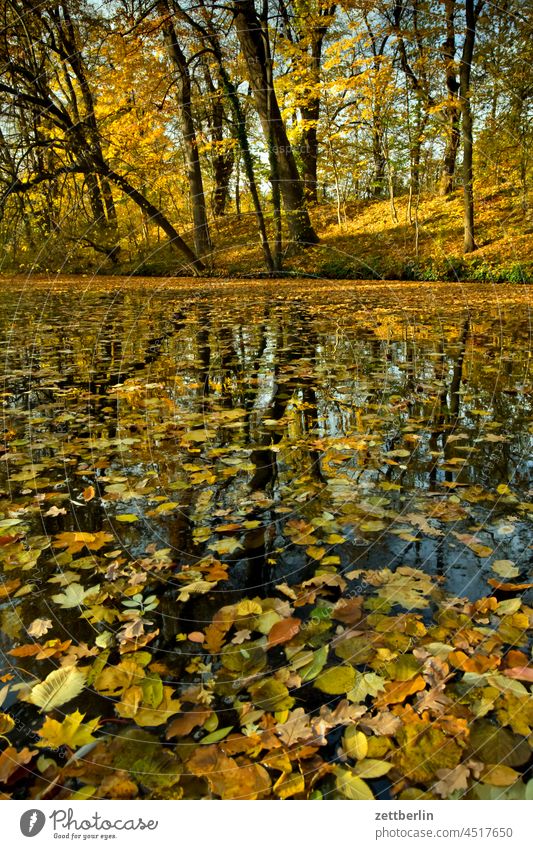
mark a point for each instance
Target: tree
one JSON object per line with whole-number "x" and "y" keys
{"x": 305, "y": 27}
{"x": 472, "y": 12}
{"x": 47, "y": 87}
{"x": 202, "y": 238}
{"x": 253, "y": 38}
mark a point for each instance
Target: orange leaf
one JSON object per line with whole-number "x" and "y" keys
{"x": 10, "y": 760}
{"x": 515, "y": 658}
{"x": 283, "y": 631}
{"x": 184, "y": 724}
{"x": 88, "y": 493}
{"x": 9, "y": 587}
{"x": 397, "y": 691}
{"x": 478, "y": 663}
{"x": 507, "y": 587}
{"x": 196, "y": 637}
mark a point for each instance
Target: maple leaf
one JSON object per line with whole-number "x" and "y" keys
{"x": 74, "y": 595}
{"x": 72, "y": 732}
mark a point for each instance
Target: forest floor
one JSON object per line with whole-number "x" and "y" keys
{"x": 364, "y": 240}
{"x": 369, "y": 243}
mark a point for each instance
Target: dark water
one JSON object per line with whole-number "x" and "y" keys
{"x": 370, "y": 408}
{"x": 391, "y": 417}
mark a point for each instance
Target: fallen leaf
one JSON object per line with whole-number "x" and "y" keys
{"x": 72, "y": 732}
{"x": 39, "y": 627}
{"x": 283, "y": 631}
{"x": 59, "y": 687}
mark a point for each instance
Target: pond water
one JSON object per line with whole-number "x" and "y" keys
{"x": 239, "y": 438}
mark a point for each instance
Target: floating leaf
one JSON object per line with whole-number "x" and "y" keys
{"x": 335, "y": 681}
{"x": 372, "y": 768}
{"x": 74, "y": 596}
{"x": 11, "y": 759}
{"x": 7, "y": 724}
{"x": 72, "y": 732}
{"x": 350, "y": 786}
{"x": 227, "y": 545}
{"x": 499, "y": 775}
{"x": 283, "y": 631}
{"x": 59, "y": 687}
{"x": 195, "y": 588}
{"x": 39, "y": 627}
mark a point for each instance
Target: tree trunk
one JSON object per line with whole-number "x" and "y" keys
{"x": 468, "y": 179}
{"x": 251, "y": 38}
{"x": 222, "y": 160}
{"x": 380, "y": 162}
{"x": 472, "y": 14}
{"x": 453, "y": 109}
{"x": 155, "y": 215}
{"x": 202, "y": 238}
{"x": 453, "y": 138}
{"x": 222, "y": 171}
{"x": 308, "y": 149}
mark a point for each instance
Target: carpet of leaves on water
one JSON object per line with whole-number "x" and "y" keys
{"x": 265, "y": 541}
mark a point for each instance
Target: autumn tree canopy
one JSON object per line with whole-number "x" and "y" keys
{"x": 131, "y": 126}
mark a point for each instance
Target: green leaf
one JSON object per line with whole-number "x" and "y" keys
{"x": 216, "y": 736}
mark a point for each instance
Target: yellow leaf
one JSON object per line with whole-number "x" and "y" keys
{"x": 72, "y": 732}
{"x": 335, "y": 681}
{"x": 59, "y": 687}
{"x": 225, "y": 546}
{"x": 289, "y": 785}
{"x": 6, "y": 723}
{"x": 355, "y": 743}
{"x": 351, "y": 786}
{"x": 371, "y": 768}
{"x": 499, "y": 775}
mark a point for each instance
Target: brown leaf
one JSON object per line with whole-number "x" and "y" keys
{"x": 10, "y": 760}
{"x": 348, "y": 610}
{"x": 451, "y": 780}
{"x": 296, "y": 727}
{"x": 520, "y": 673}
{"x": 39, "y": 627}
{"x": 184, "y": 724}
{"x": 228, "y": 778}
{"x": 283, "y": 631}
